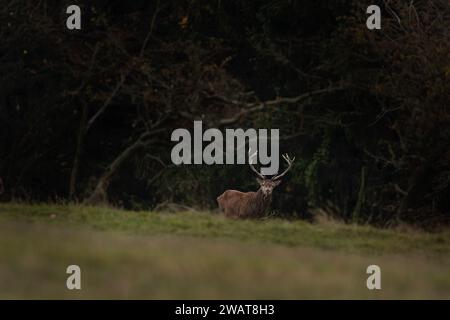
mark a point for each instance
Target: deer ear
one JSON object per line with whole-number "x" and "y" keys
{"x": 260, "y": 181}
{"x": 276, "y": 182}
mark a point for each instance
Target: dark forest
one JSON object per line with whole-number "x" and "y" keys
{"x": 86, "y": 115}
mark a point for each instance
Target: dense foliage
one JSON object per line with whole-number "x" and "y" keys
{"x": 87, "y": 115}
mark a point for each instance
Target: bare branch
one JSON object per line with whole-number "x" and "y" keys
{"x": 150, "y": 32}
{"x": 107, "y": 102}
{"x": 258, "y": 106}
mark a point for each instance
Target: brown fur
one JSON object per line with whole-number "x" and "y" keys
{"x": 237, "y": 204}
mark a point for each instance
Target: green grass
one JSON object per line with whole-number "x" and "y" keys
{"x": 125, "y": 254}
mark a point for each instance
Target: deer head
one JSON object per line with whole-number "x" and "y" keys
{"x": 268, "y": 184}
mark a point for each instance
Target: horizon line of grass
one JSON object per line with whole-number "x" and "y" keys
{"x": 326, "y": 236}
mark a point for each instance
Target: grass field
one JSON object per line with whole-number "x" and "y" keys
{"x": 192, "y": 255}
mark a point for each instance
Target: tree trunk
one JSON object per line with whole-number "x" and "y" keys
{"x": 100, "y": 193}
{"x": 361, "y": 195}
{"x": 78, "y": 152}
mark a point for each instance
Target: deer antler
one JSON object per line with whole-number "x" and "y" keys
{"x": 289, "y": 162}
{"x": 251, "y": 165}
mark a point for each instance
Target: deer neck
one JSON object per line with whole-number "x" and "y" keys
{"x": 260, "y": 196}
{"x": 261, "y": 202}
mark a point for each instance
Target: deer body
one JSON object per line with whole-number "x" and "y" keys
{"x": 239, "y": 204}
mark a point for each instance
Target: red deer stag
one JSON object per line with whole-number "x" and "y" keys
{"x": 239, "y": 204}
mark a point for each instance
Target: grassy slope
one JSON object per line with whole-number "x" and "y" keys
{"x": 200, "y": 255}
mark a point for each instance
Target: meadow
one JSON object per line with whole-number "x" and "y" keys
{"x": 202, "y": 255}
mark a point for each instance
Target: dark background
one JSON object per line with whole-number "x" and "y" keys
{"x": 87, "y": 115}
